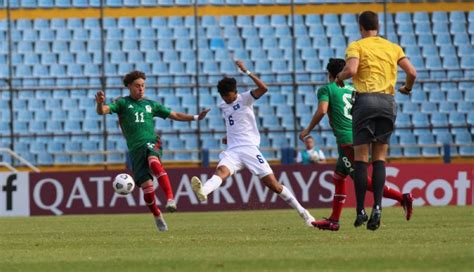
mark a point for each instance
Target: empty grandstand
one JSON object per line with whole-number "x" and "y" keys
{"x": 57, "y": 62}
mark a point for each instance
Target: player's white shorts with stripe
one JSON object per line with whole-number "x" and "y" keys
{"x": 249, "y": 157}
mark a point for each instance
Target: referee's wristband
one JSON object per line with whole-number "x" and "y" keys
{"x": 196, "y": 117}
{"x": 248, "y": 72}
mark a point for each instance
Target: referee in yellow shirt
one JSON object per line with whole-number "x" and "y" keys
{"x": 372, "y": 63}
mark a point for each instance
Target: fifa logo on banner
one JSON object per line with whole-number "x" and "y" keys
{"x": 14, "y": 194}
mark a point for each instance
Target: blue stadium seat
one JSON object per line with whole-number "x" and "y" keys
{"x": 457, "y": 119}
{"x": 456, "y": 16}
{"x": 437, "y": 96}
{"x": 444, "y": 138}
{"x": 454, "y": 96}
{"x": 439, "y": 119}
{"x": 463, "y": 138}
{"x": 428, "y": 107}
{"x": 410, "y": 148}
{"x": 466, "y": 107}
{"x": 439, "y": 16}
{"x": 423, "y": 28}
{"x": 443, "y": 39}
{"x": 420, "y": 119}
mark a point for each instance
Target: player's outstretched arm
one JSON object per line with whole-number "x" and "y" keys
{"x": 180, "y": 116}
{"x": 410, "y": 70}
{"x": 350, "y": 69}
{"x": 261, "y": 87}
{"x": 318, "y": 115}
{"x": 101, "y": 108}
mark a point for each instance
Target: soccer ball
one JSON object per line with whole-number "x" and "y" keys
{"x": 123, "y": 184}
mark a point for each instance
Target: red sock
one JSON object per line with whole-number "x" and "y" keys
{"x": 149, "y": 197}
{"x": 162, "y": 177}
{"x": 387, "y": 191}
{"x": 339, "y": 196}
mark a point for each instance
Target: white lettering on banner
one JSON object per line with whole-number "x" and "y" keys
{"x": 185, "y": 189}
{"x": 130, "y": 200}
{"x": 390, "y": 172}
{"x": 223, "y": 190}
{"x": 412, "y": 184}
{"x": 100, "y": 189}
{"x": 260, "y": 189}
{"x": 303, "y": 185}
{"x": 79, "y": 192}
{"x": 59, "y": 195}
{"x": 462, "y": 184}
{"x": 439, "y": 184}
{"x": 327, "y": 185}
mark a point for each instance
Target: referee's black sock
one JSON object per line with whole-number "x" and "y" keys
{"x": 360, "y": 183}
{"x": 378, "y": 181}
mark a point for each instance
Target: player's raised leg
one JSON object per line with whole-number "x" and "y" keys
{"x": 406, "y": 200}
{"x": 164, "y": 182}
{"x": 202, "y": 190}
{"x": 149, "y": 197}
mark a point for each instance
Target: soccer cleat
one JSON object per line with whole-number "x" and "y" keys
{"x": 171, "y": 205}
{"x": 407, "y": 204}
{"x": 374, "y": 221}
{"x": 196, "y": 184}
{"x": 361, "y": 219}
{"x": 308, "y": 218}
{"x": 326, "y": 224}
{"x": 160, "y": 223}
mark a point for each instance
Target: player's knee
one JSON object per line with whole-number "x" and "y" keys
{"x": 337, "y": 177}
{"x": 156, "y": 166}
{"x": 223, "y": 172}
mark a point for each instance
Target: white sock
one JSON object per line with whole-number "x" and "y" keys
{"x": 211, "y": 184}
{"x": 291, "y": 200}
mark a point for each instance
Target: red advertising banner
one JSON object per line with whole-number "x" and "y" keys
{"x": 92, "y": 192}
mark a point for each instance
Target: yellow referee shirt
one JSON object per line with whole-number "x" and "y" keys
{"x": 378, "y": 64}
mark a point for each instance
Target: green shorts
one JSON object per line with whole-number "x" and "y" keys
{"x": 139, "y": 158}
{"x": 345, "y": 161}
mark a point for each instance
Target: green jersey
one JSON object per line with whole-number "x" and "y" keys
{"x": 339, "y": 110}
{"x": 136, "y": 119}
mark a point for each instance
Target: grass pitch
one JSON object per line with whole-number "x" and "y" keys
{"x": 436, "y": 239}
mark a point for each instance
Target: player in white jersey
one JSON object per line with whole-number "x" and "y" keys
{"x": 243, "y": 140}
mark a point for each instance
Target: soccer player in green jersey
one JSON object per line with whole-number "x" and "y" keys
{"x": 135, "y": 113}
{"x": 337, "y": 103}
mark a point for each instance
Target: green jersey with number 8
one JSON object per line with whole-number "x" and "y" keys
{"x": 136, "y": 119}
{"x": 339, "y": 110}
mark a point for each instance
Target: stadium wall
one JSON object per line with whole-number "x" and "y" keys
{"x": 31, "y": 194}
{"x": 209, "y": 10}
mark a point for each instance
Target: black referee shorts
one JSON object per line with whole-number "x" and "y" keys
{"x": 373, "y": 118}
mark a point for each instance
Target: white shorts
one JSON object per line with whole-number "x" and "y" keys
{"x": 245, "y": 156}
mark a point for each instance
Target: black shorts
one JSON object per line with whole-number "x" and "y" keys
{"x": 373, "y": 118}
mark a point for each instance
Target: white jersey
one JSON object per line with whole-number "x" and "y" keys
{"x": 240, "y": 121}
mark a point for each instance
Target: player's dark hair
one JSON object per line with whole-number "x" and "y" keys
{"x": 227, "y": 85}
{"x": 369, "y": 20}
{"x": 132, "y": 76}
{"x": 308, "y": 137}
{"x": 335, "y": 66}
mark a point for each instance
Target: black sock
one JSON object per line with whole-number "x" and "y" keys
{"x": 378, "y": 182}
{"x": 360, "y": 183}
